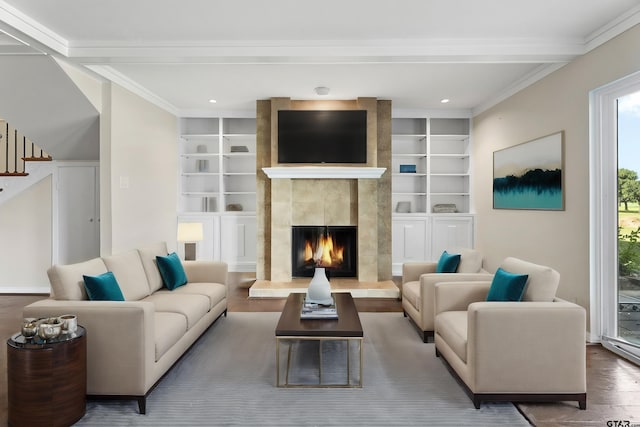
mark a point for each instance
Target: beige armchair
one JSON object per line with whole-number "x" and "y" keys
{"x": 533, "y": 350}
{"x": 418, "y": 284}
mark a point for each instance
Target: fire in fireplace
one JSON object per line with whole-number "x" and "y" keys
{"x": 331, "y": 247}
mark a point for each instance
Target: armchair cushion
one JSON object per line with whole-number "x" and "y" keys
{"x": 452, "y": 327}
{"x": 448, "y": 263}
{"x": 411, "y": 293}
{"x": 543, "y": 281}
{"x": 507, "y": 286}
{"x": 470, "y": 261}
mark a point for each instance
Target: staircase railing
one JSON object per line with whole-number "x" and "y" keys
{"x": 16, "y": 150}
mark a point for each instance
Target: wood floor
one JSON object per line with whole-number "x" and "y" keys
{"x": 613, "y": 384}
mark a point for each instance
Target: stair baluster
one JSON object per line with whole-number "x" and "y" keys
{"x": 20, "y": 156}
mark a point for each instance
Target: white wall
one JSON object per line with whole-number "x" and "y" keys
{"x": 558, "y": 102}
{"x": 25, "y": 230}
{"x": 138, "y": 141}
{"x": 143, "y": 172}
{"x": 90, "y": 85}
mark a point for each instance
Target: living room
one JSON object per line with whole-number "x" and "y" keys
{"x": 139, "y": 191}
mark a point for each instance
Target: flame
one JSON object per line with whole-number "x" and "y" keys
{"x": 308, "y": 252}
{"x": 327, "y": 254}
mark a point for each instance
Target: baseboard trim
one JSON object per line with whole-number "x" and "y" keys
{"x": 25, "y": 290}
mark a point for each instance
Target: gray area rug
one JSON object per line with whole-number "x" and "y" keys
{"x": 228, "y": 379}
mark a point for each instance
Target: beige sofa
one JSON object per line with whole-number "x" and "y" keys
{"x": 532, "y": 350}
{"x": 131, "y": 344}
{"x": 418, "y": 286}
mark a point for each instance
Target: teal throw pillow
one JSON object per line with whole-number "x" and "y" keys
{"x": 172, "y": 271}
{"x": 507, "y": 286}
{"x": 448, "y": 263}
{"x": 103, "y": 287}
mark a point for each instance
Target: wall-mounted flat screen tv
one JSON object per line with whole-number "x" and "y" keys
{"x": 319, "y": 136}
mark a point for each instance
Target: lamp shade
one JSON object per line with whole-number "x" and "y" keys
{"x": 190, "y": 232}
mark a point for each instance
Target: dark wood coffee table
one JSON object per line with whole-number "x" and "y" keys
{"x": 291, "y": 328}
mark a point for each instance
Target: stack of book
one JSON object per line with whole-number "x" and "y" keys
{"x": 316, "y": 311}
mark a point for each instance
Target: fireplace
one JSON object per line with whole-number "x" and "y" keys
{"x": 331, "y": 247}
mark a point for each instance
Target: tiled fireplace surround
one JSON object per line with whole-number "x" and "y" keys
{"x": 364, "y": 202}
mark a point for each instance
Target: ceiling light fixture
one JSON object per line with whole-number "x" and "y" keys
{"x": 444, "y": 100}
{"x": 212, "y": 101}
{"x": 322, "y": 90}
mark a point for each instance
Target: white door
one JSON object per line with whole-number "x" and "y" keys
{"x": 78, "y": 231}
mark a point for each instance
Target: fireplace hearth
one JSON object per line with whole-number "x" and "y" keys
{"x": 331, "y": 247}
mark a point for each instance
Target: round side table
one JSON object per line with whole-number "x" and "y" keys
{"x": 47, "y": 379}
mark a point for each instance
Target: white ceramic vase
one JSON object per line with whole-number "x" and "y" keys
{"x": 319, "y": 290}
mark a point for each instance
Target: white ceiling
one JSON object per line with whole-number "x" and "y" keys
{"x": 180, "y": 54}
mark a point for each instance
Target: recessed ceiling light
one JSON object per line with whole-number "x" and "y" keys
{"x": 213, "y": 101}
{"x": 322, "y": 90}
{"x": 444, "y": 100}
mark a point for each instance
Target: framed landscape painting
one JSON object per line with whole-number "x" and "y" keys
{"x": 529, "y": 175}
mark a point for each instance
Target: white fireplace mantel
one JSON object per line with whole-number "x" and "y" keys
{"x": 324, "y": 172}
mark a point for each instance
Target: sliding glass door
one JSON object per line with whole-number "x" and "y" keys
{"x": 615, "y": 216}
{"x": 628, "y": 292}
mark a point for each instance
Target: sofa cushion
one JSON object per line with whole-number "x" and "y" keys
{"x": 543, "y": 281}
{"x": 172, "y": 271}
{"x": 103, "y": 287}
{"x": 192, "y": 306}
{"x": 127, "y": 267}
{"x": 168, "y": 329}
{"x": 148, "y": 256}
{"x": 452, "y": 327}
{"x": 470, "y": 261}
{"x": 216, "y": 292}
{"x": 507, "y": 286}
{"x": 448, "y": 263}
{"x": 67, "y": 282}
{"x": 411, "y": 292}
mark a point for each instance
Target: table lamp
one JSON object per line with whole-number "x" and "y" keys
{"x": 190, "y": 233}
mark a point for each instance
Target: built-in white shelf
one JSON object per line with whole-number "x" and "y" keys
{"x": 211, "y": 170}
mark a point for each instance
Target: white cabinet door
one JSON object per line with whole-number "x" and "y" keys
{"x": 450, "y": 232}
{"x": 409, "y": 237}
{"x": 238, "y": 242}
{"x": 78, "y": 222}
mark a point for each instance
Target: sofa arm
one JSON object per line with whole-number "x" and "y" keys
{"x": 120, "y": 342}
{"x": 527, "y": 347}
{"x": 456, "y": 296}
{"x": 411, "y": 271}
{"x": 206, "y": 271}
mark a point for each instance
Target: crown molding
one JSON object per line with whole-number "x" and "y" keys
{"x": 537, "y": 74}
{"x": 331, "y": 51}
{"x": 116, "y": 77}
{"x": 12, "y": 19}
{"x": 612, "y": 29}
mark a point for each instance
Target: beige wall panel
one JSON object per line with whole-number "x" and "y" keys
{"x": 26, "y": 232}
{"x": 144, "y": 166}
